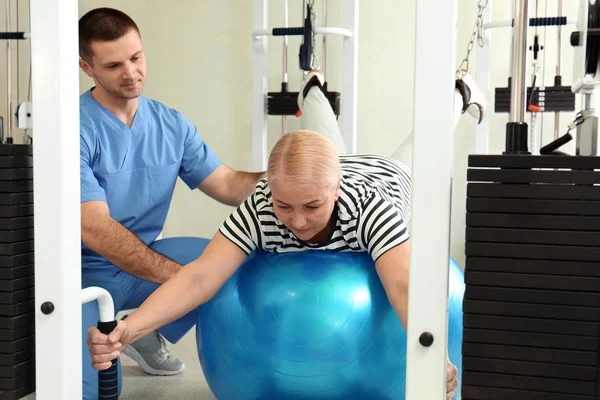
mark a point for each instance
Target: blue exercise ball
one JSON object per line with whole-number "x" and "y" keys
{"x": 310, "y": 325}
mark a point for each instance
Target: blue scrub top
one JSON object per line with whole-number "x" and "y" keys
{"x": 134, "y": 170}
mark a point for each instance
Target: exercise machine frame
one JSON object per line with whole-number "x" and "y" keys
{"x": 347, "y": 119}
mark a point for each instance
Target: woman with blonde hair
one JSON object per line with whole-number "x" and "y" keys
{"x": 312, "y": 198}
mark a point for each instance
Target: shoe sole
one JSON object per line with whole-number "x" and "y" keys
{"x": 137, "y": 357}
{"x": 300, "y": 99}
{"x": 480, "y": 114}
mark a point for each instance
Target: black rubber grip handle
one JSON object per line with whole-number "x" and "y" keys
{"x": 548, "y": 21}
{"x": 288, "y": 31}
{"x": 12, "y": 35}
{"x": 552, "y": 146}
{"x": 108, "y": 380}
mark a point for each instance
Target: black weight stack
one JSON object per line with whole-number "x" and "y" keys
{"x": 17, "y": 315}
{"x": 532, "y": 273}
{"x": 286, "y": 103}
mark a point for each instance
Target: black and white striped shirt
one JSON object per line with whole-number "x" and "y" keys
{"x": 373, "y": 211}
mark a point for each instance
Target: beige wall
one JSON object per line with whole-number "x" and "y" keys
{"x": 200, "y": 62}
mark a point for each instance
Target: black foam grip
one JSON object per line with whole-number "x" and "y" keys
{"x": 12, "y": 35}
{"x": 548, "y": 21}
{"x": 107, "y": 327}
{"x": 108, "y": 382}
{"x": 288, "y": 31}
{"x": 554, "y": 145}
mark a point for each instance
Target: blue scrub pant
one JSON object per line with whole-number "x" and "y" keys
{"x": 130, "y": 292}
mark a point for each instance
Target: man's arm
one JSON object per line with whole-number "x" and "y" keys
{"x": 230, "y": 187}
{"x": 101, "y": 233}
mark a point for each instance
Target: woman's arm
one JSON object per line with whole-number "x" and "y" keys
{"x": 392, "y": 268}
{"x": 195, "y": 284}
{"x": 383, "y": 233}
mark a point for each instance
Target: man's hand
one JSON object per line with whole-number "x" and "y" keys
{"x": 230, "y": 187}
{"x": 451, "y": 380}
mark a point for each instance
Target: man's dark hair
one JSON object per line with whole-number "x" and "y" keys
{"x": 103, "y": 25}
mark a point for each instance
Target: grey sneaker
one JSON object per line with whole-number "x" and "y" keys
{"x": 153, "y": 356}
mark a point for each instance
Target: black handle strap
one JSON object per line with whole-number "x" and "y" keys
{"x": 553, "y": 146}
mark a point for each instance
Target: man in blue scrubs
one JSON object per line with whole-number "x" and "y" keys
{"x": 132, "y": 151}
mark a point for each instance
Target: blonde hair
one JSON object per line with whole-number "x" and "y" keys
{"x": 303, "y": 157}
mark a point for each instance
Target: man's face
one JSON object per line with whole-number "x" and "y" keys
{"x": 118, "y": 67}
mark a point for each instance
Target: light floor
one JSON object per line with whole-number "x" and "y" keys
{"x": 188, "y": 385}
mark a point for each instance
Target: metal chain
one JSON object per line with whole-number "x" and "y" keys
{"x": 314, "y": 59}
{"x": 477, "y": 34}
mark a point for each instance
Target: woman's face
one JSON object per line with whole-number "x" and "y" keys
{"x": 305, "y": 209}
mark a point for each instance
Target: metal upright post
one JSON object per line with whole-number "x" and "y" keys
{"x": 260, "y": 87}
{"x": 284, "y": 66}
{"x": 350, "y": 79}
{"x": 483, "y": 55}
{"x": 431, "y": 201}
{"x": 516, "y": 129}
{"x": 55, "y": 89}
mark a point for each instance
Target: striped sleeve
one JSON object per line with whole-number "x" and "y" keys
{"x": 242, "y": 226}
{"x": 380, "y": 227}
